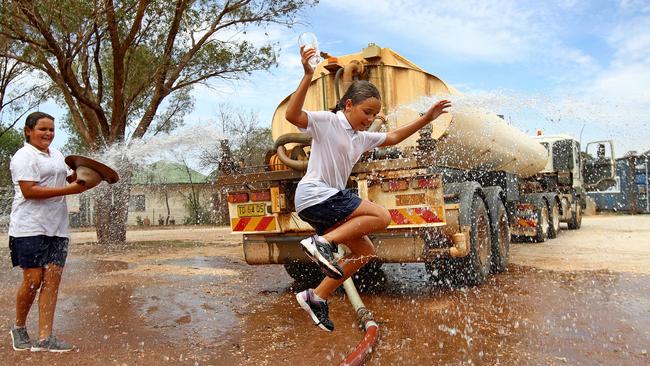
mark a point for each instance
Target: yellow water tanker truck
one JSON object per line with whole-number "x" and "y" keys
{"x": 457, "y": 191}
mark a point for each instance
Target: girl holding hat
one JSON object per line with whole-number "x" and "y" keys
{"x": 38, "y": 230}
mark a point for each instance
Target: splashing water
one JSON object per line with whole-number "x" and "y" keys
{"x": 182, "y": 145}
{"x": 186, "y": 143}
{"x": 597, "y": 118}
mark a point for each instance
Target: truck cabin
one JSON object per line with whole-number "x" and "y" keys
{"x": 593, "y": 168}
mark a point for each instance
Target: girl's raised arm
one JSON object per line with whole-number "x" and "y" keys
{"x": 396, "y": 136}
{"x": 294, "y": 113}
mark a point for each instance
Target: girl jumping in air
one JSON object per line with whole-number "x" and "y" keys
{"x": 337, "y": 214}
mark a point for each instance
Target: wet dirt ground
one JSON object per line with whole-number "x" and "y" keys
{"x": 185, "y": 296}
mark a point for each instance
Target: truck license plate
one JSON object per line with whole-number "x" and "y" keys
{"x": 255, "y": 209}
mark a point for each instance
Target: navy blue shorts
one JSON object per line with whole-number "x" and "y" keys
{"x": 38, "y": 251}
{"x": 330, "y": 212}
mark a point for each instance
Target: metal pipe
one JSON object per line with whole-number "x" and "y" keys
{"x": 337, "y": 79}
{"x": 297, "y": 137}
{"x": 299, "y": 165}
{"x": 460, "y": 248}
{"x": 376, "y": 124}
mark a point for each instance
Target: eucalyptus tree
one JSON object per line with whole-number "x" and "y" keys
{"x": 125, "y": 68}
{"x": 20, "y": 89}
{"x": 247, "y": 141}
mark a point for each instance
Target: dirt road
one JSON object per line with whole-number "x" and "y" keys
{"x": 185, "y": 296}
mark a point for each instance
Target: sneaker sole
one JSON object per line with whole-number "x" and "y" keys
{"x": 305, "y": 307}
{"x": 326, "y": 267}
{"x": 14, "y": 347}
{"x": 49, "y": 350}
{"x": 59, "y": 350}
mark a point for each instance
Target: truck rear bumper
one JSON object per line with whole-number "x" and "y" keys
{"x": 394, "y": 246}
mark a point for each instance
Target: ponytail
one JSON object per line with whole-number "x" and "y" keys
{"x": 358, "y": 91}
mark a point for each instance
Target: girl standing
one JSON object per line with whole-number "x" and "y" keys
{"x": 38, "y": 230}
{"x": 337, "y": 214}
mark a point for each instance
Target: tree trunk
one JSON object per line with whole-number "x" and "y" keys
{"x": 112, "y": 209}
{"x": 168, "y": 210}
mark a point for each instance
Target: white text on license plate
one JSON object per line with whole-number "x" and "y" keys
{"x": 255, "y": 209}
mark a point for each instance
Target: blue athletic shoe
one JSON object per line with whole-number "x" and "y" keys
{"x": 51, "y": 344}
{"x": 20, "y": 339}
{"x": 321, "y": 252}
{"x": 317, "y": 310}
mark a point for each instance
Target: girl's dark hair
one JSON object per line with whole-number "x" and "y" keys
{"x": 32, "y": 120}
{"x": 359, "y": 91}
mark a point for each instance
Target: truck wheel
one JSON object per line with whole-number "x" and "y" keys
{"x": 542, "y": 222}
{"x": 554, "y": 227}
{"x": 369, "y": 276}
{"x": 500, "y": 239}
{"x": 576, "y": 218}
{"x": 304, "y": 273}
{"x": 473, "y": 269}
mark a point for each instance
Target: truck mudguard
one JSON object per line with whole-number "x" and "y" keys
{"x": 493, "y": 195}
{"x": 465, "y": 192}
{"x": 535, "y": 198}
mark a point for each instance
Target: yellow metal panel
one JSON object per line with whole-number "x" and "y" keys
{"x": 275, "y": 199}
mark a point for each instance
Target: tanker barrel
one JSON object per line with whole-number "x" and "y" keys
{"x": 466, "y": 138}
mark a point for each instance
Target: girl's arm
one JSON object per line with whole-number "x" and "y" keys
{"x": 396, "y": 136}
{"x": 294, "y": 112}
{"x": 31, "y": 190}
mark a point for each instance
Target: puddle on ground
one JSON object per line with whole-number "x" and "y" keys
{"x": 195, "y": 262}
{"x": 524, "y": 316}
{"x": 101, "y": 266}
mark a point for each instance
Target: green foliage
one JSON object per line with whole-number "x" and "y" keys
{"x": 10, "y": 142}
{"x": 130, "y": 65}
{"x": 75, "y": 145}
{"x": 198, "y": 214}
{"x": 248, "y": 141}
{"x": 180, "y": 103}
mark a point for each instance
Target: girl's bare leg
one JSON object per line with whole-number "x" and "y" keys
{"x": 32, "y": 278}
{"x": 47, "y": 299}
{"x": 362, "y": 252}
{"x": 367, "y": 218}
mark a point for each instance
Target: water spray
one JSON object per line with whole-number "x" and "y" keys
{"x": 364, "y": 316}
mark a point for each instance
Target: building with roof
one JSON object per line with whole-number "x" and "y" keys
{"x": 161, "y": 193}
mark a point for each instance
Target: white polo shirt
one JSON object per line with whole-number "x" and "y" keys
{"x": 30, "y": 217}
{"x": 335, "y": 148}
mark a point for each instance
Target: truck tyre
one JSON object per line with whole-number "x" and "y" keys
{"x": 304, "y": 273}
{"x": 541, "y": 211}
{"x": 473, "y": 269}
{"x": 554, "y": 227}
{"x": 500, "y": 233}
{"x": 576, "y": 218}
{"x": 369, "y": 276}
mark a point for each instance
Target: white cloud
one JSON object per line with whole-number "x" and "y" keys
{"x": 631, "y": 40}
{"x": 600, "y": 84}
{"x": 499, "y": 32}
{"x": 618, "y": 93}
{"x": 635, "y": 5}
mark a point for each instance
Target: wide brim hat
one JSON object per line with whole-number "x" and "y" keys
{"x": 106, "y": 172}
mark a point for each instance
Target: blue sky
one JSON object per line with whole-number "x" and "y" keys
{"x": 568, "y": 66}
